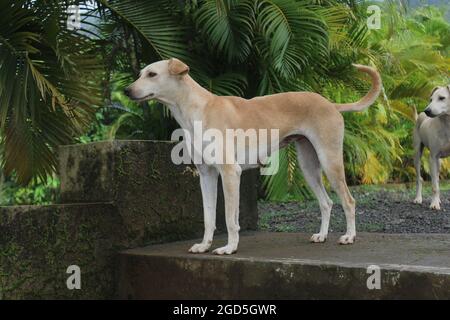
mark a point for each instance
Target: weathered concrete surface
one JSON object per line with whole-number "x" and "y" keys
{"x": 38, "y": 243}
{"x": 125, "y": 194}
{"x": 157, "y": 200}
{"x": 287, "y": 266}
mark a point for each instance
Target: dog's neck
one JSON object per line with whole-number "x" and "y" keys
{"x": 445, "y": 117}
{"x": 189, "y": 103}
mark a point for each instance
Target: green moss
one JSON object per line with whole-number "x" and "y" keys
{"x": 43, "y": 242}
{"x": 147, "y": 199}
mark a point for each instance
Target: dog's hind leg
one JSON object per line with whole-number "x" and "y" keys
{"x": 310, "y": 165}
{"x": 434, "y": 172}
{"x": 329, "y": 151}
{"x": 208, "y": 183}
{"x": 231, "y": 177}
{"x": 418, "y": 148}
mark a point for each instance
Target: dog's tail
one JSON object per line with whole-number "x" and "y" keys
{"x": 370, "y": 97}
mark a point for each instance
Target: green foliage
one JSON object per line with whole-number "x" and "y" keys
{"x": 154, "y": 23}
{"x": 48, "y": 86}
{"x": 378, "y": 142}
{"x": 50, "y": 78}
{"x": 413, "y": 61}
{"x": 36, "y": 193}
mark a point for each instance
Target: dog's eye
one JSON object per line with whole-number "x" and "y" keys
{"x": 441, "y": 98}
{"x": 151, "y": 74}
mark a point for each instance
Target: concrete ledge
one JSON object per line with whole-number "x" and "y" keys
{"x": 287, "y": 266}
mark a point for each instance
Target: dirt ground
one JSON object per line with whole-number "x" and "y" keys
{"x": 387, "y": 208}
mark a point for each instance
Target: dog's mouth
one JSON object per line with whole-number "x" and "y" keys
{"x": 431, "y": 115}
{"x": 147, "y": 97}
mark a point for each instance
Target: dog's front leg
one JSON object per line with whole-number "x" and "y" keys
{"x": 231, "y": 176}
{"x": 417, "y": 156}
{"x": 208, "y": 183}
{"x": 434, "y": 171}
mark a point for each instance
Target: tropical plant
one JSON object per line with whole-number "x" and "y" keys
{"x": 48, "y": 86}
{"x": 409, "y": 50}
{"x": 413, "y": 51}
{"x": 36, "y": 193}
{"x": 52, "y": 79}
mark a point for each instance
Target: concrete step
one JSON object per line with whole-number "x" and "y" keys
{"x": 287, "y": 266}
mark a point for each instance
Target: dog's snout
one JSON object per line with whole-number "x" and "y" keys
{"x": 127, "y": 91}
{"x": 428, "y": 112}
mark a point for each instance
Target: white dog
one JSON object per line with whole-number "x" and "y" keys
{"x": 432, "y": 130}
{"x": 313, "y": 122}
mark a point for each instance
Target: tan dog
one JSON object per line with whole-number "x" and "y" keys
{"x": 432, "y": 130}
{"x": 312, "y": 121}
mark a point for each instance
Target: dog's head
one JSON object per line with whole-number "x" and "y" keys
{"x": 158, "y": 80}
{"x": 439, "y": 102}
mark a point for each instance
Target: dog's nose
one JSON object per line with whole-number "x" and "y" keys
{"x": 126, "y": 91}
{"x": 428, "y": 112}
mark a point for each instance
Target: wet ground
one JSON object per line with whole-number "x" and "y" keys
{"x": 387, "y": 209}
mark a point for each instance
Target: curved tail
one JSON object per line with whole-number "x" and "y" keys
{"x": 370, "y": 97}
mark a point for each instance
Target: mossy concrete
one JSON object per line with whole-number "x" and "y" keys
{"x": 38, "y": 243}
{"x": 158, "y": 200}
{"x": 115, "y": 195}
{"x": 288, "y": 266}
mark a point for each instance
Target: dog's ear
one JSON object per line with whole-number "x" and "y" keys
{"x": 178, "y": 67}
{"x": 435, "y": 88}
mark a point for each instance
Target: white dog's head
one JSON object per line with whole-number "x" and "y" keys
{"x": 158, "y": 80}
{"x": 439, "y": 102}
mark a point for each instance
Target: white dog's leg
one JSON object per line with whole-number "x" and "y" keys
{"x": 418, "y": 146}
{"x": 310, "y": 165}
{"x": 434, "y": 171}
{"x": 208, "y": 183}
{"x": 231, "y": 176}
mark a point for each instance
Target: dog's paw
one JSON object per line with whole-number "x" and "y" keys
{"x": 418, "y": 200}
{"x": 435, "y": 205}
{"x": 200, "y": 248}
{"x": 228, "y": 249}
{"x": 347, "y": 239}
{"x": 318, "y": 237}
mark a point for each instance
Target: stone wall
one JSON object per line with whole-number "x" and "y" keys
{"x": 115, "y": 195}
{"x": 38, "y": 243}
{"x": 157, "y": 200}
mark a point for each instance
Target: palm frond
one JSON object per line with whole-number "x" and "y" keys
{"x": 154, "y": 22}
{"x": 48, "y": 89}
{"x": 227, "y": 26}
{"x": 293, "y": 34}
